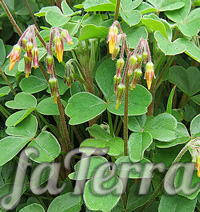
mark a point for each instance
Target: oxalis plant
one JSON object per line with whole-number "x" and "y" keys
{"x": 99, "y": 105}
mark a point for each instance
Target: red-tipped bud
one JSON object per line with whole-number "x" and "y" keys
{"x": 132, "y": 63}
{"x": 198, "y": 165}
{"x": 116, "y": 81}
{"x": 59, "y": 47}
{"x": 49, "y": 60}
{"x": 53, "y": 82}
{"x": 120, "y": 93}
{"x": 139, "y": 58}
{"x": 145, "y": 56}
{"x": 136, "y": 75}
{"x": 69, "y": 83}
{"x": 120, "y": 65}
{"x": 112, "y": 38}
{"x": 27, "y": 61}
{"x": 14, "y": 56}
{"x": 149, "y": 74}
{"x": 35, "y": 54}
{"x": 66, "y": 36}
{"x": 115, "y": 52}
{"x": 29, "y": 47}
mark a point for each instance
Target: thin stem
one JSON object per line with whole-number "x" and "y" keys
{"x": 11, "y": 18}
{"x": 115, "y": 124}
{"x": 168, "y": 174}
{"x": 126, "y": 116}
{"x": 119, "y": 128}
{"x": 40, "y": 38}
{"x": 7, "y": 81}
{"x": 31, "y": 13}
{"x": 58, "y": 4}
{"x": 3, "y": 112}
{"x": 43, "y": 71}
{"x": 117, "y": 10}
{"x": 110, "y": 123}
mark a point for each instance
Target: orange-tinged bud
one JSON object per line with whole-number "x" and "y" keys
{"x": 29, "y": 47}
{"x": 66, "y": 36}
{"x": 27, "y": 61}
{"x": 120, "y": 65}
{"x": 112, "y": 38}
{"x": 49, "y": 59}
{"x": 59, "y": 47}
{"x": 145, "y": 56}
{"x": 121, "y": 89}
{"x": 136, "y": 75}
{"x": 14, "y": 56}
{"x": 198, "y": 166}
{"x": 53, "y": 82}
{"x": 149, "y": 74}
{"x": 69, "y": 83}
{"x": 35, "y": 54}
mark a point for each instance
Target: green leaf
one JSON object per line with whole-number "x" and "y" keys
{"x": 4, "y": 91}
{"x": 96, "y": 143}
{"x": 18, "y": 117}
{"x": 134, "y": 34}
{"x": 83, "y": 107}
{"x": 94, "y": 163}
{"x": 137, "y": 144}
{"x": 105, "y": 202}
{"x": 66, "y": 9}
{"x": 33, "y": 208}
{"x": 98, "y": 132}
{"x": 139, "y": 100}
{"x": 132, "y": 18}
{"x": 44, "y": 10}
{"x": 68, "y": 47}
{"x": 145, "y": 8}
{"x": 56, "y": 18}
{"x": 22, "y": 101}
{"x": 191, "y": 49}
{"x": 186, "y": 80}
{"x": 48, "y": 147}
{"x": 181, "y": 134}
{"x": 137, "y": 123}
{"x": 170, "y": 99}
{"x": 26, "y": 128}
{"x": 196, "y": 99}
{"x": 3, "y": 52}
{"x": 195, "y": 126}
{"x": 116, "y": 146}
{"x": 48, "y": 107}
{"x": 92, "y": 31}
{"x": 66, "y": 203}
{"x": 37, "y": 85}
{"x": 176, "y": 203}
{"x": 167, "y": 47}
{"x": 162, "y": 127}
{"x": 98, "y": 5}
{"x": 181, "y": 14}
{"x": 11, "y": 146}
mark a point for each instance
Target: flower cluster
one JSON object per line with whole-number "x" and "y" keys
{"x": 31, "y": 57}
{"x": 133, "y": 65}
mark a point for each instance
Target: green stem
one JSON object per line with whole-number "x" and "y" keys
{"x": 3, "y": 112}
{"x": 168, "y": 174}
{"x": 117, "y": 10}
{"x": 110, "y": 123}
{"x": 126, "y": 116}
{"x": 7, "y": 81}
{"x": 115, "y": 124}
{"x": 11, "y": 18}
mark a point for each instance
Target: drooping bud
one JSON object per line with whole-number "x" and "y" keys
{"x": 132, "y": 63}
{"x": 116, "y": 81}
{"x": 198, "y": 165}
{"x": 59, "y": 47}
{"x": 49, "y": 60}
{"x": 69, "y": 83}
{"x": 29, "y": 47}
{"x": 24, "y": 42}
{"x": 149, "y": 74}
{"x": 115, "y": 52}
{"x": 144, "y": 56}
{"x": 120, "y": 93}
{"x": 66, "y": 36}
{"x": 112, "y": 38}
{"x": 27, "y": 61}
{"x": 53, "y": 82}
{"x": 35, "y": 54}
{"x": 139, "y": 58}
{"x": 136, "y": 75}
{"x": 14, "y": 56}
{"x": 120, "y": 65}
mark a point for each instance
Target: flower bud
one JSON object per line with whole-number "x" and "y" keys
{"x": 35, "y": 54}
{"x": 198, "y": 165}
{"x": 120, "y": 65}
{"x": 139, "y": 58}
{"x": 115, "y": 52}
{"x": 120, "y": 92}
{"x": 149, "y": 74}
{"x": 66, "y": 36}
{"x": 49, "y": 59}
{"x": 53, "y": 82}
{"x": 29, "y": 47}
{"x": 116, "y": 81}
{"x": 132, "y": 63}
{"x": 14, "y": 56}
{"x": 69, "y": 83}
{"x": 136, "y": 75}
{"x": 24, "y": 42}
{"x": 27, "y": 61}
{"x": 112, "y": 38}
{"x": 59, "y": 47}
{"x": 144, "y": 56}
